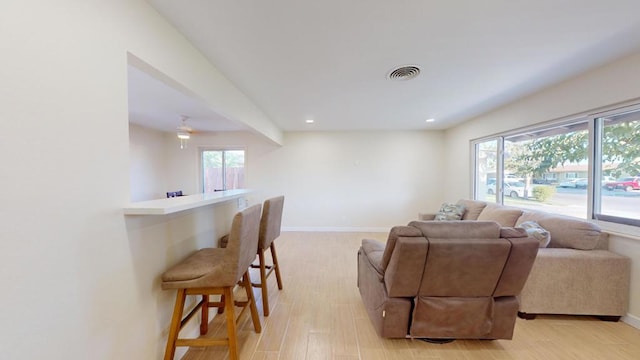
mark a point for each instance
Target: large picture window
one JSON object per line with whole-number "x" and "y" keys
{"x": 587, "y": 167}
{"x": 222, "y": 169}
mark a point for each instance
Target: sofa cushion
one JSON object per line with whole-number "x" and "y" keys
{"x": 473, "y": 208}
{"x": 450, "y": 212}
{"x": 537, "y": 232}
{"x": 503, "y": 215}
{"x": 566, "y": 232}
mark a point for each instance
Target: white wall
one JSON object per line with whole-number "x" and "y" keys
{"x": 334, "y": 180}
{"x": 80, "y": 280}
{"x": 148, "y": 164}
{"x": 611, "y": 84}
{"x": 346, "y": 180}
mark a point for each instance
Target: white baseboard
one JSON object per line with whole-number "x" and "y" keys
{"x": 631, "y": 320}
{"x": 337, "y": 229}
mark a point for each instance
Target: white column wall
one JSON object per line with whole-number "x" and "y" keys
{"x": 79, "y": 279}
{"x": 148, "y": 164}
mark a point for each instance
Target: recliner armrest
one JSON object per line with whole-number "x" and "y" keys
{"x": 370, "y": 245}
{"x": 373, "y": 250}
{"x": 403, "y": 275}
{"x": 394, "y": 234}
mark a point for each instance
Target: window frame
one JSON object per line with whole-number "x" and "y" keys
{"x": 594, "y": 153}
{"x": 596, "y": 196}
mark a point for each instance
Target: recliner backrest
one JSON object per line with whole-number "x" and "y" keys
{"x": 456, "y": 259}
{"x": 465, "y": 258}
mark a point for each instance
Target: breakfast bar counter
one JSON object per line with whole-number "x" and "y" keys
{"x": 181, "y": 203}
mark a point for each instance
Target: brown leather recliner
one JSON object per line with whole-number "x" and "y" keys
{"x": 445, "y": 279}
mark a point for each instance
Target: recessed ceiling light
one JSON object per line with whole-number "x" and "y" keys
{"x": 430, "y": 120}
{"x": 309, "y": 121}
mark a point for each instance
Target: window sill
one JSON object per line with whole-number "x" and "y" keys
{"x": 627, "y": 231}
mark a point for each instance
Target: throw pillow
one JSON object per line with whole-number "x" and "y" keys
{"x": 450, "y": 212}
{"x": 537, "y": 232}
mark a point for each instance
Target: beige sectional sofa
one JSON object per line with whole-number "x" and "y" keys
{"x": 575, "y": 274}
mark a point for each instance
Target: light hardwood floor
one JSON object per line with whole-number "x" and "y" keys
{"x": 319, "y": 315}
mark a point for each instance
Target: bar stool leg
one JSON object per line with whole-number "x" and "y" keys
{"x": 204, "y": 318}
{"x": 174, "y": 329}
{"x": 231, "y": 323}
{"x": 221, "y": 309}
{"x": 275, "y": 264}
{"x": 263, "y": 283}
{"x": 252, "y": 302}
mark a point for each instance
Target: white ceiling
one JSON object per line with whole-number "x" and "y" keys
{"x": 328, "y": 60}
{"x": 159, "y": 105}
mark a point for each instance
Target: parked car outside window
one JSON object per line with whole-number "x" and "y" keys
{"x": 579, "y": 183}
{"x": 513, "y": 189}
{"x": 626, "y": 183}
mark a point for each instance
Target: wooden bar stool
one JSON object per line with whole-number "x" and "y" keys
{"x": 216, "y": 271}
{"x": 270, "y": 224}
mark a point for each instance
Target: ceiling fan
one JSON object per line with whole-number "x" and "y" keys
{"x": 183, "y": 131}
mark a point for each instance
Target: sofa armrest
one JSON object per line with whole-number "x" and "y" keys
{"x": 582, "y": 282}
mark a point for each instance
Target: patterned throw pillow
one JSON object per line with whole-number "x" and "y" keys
{"x": 450, "y": 212}
{"x": 537, "y": 232}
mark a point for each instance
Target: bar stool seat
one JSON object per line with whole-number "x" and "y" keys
{"x": 196, "y": 271}
{"x": 216, "y": 271}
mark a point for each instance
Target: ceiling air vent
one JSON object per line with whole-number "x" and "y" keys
{"x": 406, "y": 72}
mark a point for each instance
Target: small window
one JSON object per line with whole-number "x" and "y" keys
{"x": 222, "y": 170}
